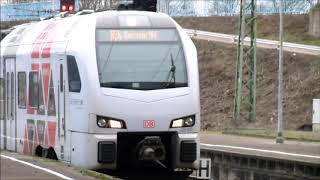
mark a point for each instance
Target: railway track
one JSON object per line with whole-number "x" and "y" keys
{"x": 262, "y": 43}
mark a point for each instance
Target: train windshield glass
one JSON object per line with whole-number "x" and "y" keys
{"x": 142, "y": 59}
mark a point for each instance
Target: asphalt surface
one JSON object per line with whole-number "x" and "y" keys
{"x": 12, "y": 170}
{"x": 15, "y": 170}
{"x": 289, "y": 150}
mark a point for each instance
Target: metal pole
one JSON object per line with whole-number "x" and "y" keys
{"x": 253, "y": 64}
{"x": 279, "y": 139}
{"x": 239, "y": 66}
{"x": 245, "y": 83}
{"x": 167, "y": 6}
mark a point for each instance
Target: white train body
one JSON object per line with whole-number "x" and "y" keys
{"x": 102, "y": 90}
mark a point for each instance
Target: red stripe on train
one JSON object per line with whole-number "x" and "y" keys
{"x": 25, "y": 141}
{"x": 45, "y": 78}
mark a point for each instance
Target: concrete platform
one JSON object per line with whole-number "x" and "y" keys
{"x": 259, "y": 158}
{"x": 31, "y": 167}
{"x": 290, "y": 150}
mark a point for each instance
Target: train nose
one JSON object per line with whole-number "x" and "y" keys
{"x": 151, "y": 148}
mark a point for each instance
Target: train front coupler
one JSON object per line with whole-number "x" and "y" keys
{"x": 151, "y": 148}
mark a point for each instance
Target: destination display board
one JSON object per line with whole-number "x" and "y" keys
{"x": 136, "y": 35}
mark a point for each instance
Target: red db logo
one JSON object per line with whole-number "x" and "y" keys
{"x": 149, "y": 123}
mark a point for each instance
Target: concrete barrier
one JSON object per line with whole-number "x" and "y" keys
{"x": 314, "y": 22}
{"x": 316, "y": 115}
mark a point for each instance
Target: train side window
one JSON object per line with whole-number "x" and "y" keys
{"x": 51, "y": 103}
{"x": 34, "y": 89}
{"x": 22, "y": 90}
{"x": 1, "y": 98}
{"x": 73, "y": 75}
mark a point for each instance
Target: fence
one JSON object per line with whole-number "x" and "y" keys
{"x": 30, "y": 10}
{"x": 230, "y": 7}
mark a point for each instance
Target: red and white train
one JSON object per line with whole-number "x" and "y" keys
{"x": 102, "y": 90}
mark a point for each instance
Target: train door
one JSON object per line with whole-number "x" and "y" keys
{"x": 62, "y": 107}
{"x": 11, "y": 121}
{"x": 3, "y": 130}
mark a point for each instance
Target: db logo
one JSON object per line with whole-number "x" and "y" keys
{"x": 149, "y": 124}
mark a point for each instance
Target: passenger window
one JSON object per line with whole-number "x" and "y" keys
{"x": 73, "y": 75}
{"x": 51, "y": 103}
{"x": 22, "y": 90}
{"x": 41, "y": 108}
{"x": 34, "y": 89}
{"x": 1, "y": 98}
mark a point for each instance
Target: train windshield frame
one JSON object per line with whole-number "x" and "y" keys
{"x": 140, "y": 59}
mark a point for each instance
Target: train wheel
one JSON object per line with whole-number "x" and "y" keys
{"x": 38, "y": 151}
{"x": 51, "y": 154}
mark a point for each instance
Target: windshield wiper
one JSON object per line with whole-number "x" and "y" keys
{"x": 171, "y": 75}
{"x": 113, "y": 84}
{"x": 173, "y": 70}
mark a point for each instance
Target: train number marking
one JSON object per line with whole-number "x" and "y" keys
{"x": 204, "y": 171}
{"x": 149, "y": 124}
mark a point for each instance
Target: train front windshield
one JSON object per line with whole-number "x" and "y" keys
{"x": 140, "y": 59}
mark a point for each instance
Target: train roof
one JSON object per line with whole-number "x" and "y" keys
{"x": 128, "y": 19}
{"x": 77, "y": 27}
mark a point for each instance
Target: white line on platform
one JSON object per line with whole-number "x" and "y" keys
{"x": 37, "y": 167}
{"x": 261, "y": 150}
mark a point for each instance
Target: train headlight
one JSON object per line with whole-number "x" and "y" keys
{"x": 177, "y": 123}
{"x": 183, "y": 122}
{"x": 104, "y": 122}
{"x": 189, "y": 121}
{"x": 115, "y": 124}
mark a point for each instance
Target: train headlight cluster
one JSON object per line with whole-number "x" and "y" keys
{"x": 104, "y": 122}
{"x": 183, "y": 122}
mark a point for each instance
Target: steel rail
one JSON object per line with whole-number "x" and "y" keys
{"x": 263, "y": 43}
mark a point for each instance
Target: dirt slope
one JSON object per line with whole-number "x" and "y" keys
{"x": 217, "y": 73}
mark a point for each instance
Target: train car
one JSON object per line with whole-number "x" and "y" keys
{"x": 102, "y": 91}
